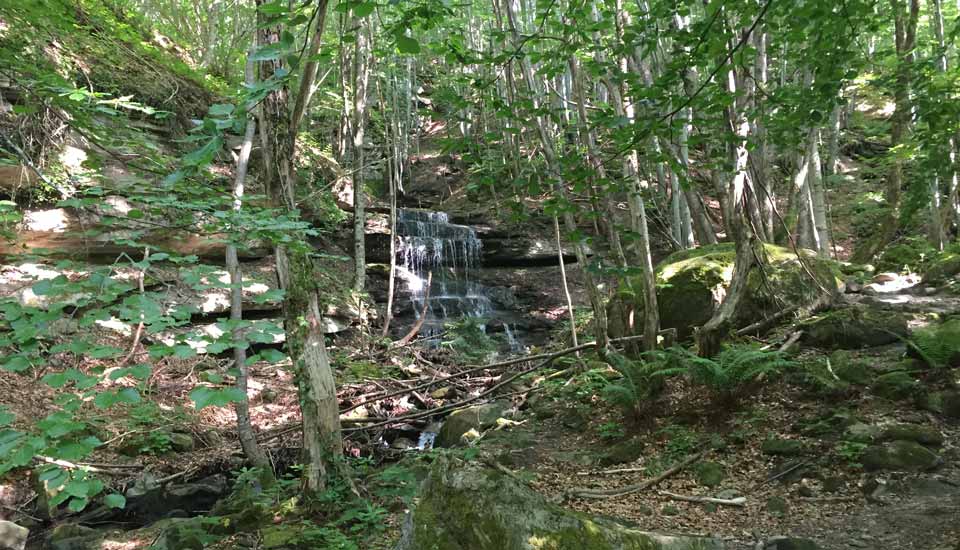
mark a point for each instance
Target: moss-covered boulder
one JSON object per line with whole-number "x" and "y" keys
{"x": 942, "y": 268}
{"x": 900, "y": 455}
{"x": 854, "y": 328}
{"x": 466, "y": 506}
{"x": 477, "y": 417}
{"x": 924, "y": 435}
{"x": 691, "y": 285}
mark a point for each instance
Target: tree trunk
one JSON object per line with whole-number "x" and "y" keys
{"x": 322, "y": 440}
{"x": 749, "y": 249}
{"x": 361, "y": 78}
{"x": 245, "y": 432}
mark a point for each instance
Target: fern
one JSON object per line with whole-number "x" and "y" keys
{"x": 727, "y": 374}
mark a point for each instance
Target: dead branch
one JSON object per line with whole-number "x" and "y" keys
{"x": 423, "y": 316}
{"x": 642, "y": 486}
{"x": 764, "y": 325}
{"x": 791, "y": 341}
{"x": 739, "y": 501}
{"x": 614, "y": 471}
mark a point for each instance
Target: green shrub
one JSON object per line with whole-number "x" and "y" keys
{"x": 641, "y": 381}
{"x": 938, "y": 346}
{"x": 731, "y": 371}
{"x": 468, "y": 339}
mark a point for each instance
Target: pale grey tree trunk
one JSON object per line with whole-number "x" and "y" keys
{"x": 245, "y": 432}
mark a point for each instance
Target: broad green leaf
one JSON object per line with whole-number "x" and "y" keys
{"x": 115, "y": 500}
{"x": 363, "y": 9}
{"x": 210, "y": 397}
{"x": 408, "y": 45}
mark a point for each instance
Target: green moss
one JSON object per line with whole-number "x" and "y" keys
{"x": 854, "y": 327}
{"x": 691, "y": 284}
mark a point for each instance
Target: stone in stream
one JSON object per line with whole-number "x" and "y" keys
{"x": 12, "y": 536}
{"x": 467, "y": 506}
{"x": 900, "y": 455}
{"x": 477, "y": 417}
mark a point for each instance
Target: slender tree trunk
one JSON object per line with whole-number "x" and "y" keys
{"x": 563, "y": 279}
{"x": 245, "y": 432}
{"x": 749, "y": 249}
{"x": 322, "y": 440}
{"x": 940, "y": 209}
{"x": 361, "y": 78}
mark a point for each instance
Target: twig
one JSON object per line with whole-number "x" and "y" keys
{"x": 73, "y": 466}
{"x": 139, "y": 332}
{"x": 614, "y": 471}
{"x": 636, "y": 488}
{"x": 739, "y": 501}
{"x": 764, "y": 324}
{"x": 783, "y": 473}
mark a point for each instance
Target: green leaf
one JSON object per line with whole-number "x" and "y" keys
{"x": 78, "y": 504}
{"x": 17, "y": 363}
{"x": 6, "y": 417}
{"x": 115, "y": 500}
{"x": 220, "y": 109}
{"x": 363, "y": 9}
{"x": 408, "y": 45}
{"x": 209, "y": 397}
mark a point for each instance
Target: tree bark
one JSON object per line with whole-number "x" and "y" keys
{"x": 322, "y": 438}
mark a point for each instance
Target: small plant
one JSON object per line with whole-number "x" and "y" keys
{"x": 641, "y": 381}
{"x": 851, "y": 451}
{"x": 730, "y": 373}
{"x": 611, "y": 431}
{"x": 469, "y": 340}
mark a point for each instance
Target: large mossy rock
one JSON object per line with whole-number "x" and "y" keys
{"x": 854, "y": 328}
{"x": 466, "y": 506}
{"x": 477, "y": 417}
{"x": 900, "y": 455}
{"x": 691, "y": 284}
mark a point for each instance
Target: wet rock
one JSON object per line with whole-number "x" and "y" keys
{"x": 854, "y": 328}
{"x": 12, "y": 536}
{"x": 894, "y": 385}
{"x": 468, "y": 506}
{"x": 477, "y": 417}
{"x": 709, "y": 474}
{"x": 862, "y": 433}
{"x": 782, "y": 447}
{"x": 71, "y": 536}
{"x": 925, "y": 435}
{"x": 951, "y": 405}
{"x": 789, "y": 543}
{"x": 182, "y": 442}
{"x": 899, "y": 455}
{"x": 623, "y": 452}
{"x": 691, "y": 285}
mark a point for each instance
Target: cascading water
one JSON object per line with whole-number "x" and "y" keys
{"x": 433, "y": 249}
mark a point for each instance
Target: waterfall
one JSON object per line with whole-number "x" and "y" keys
{"x": 448, "y": 254}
